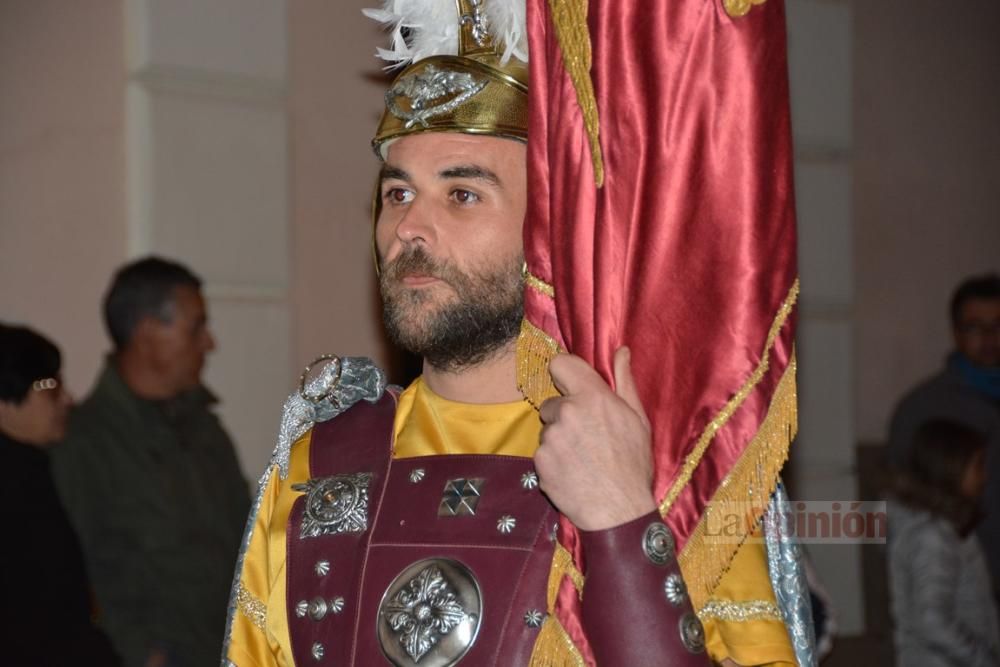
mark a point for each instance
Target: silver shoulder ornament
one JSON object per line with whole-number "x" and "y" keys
{"x": 328, "y": 386}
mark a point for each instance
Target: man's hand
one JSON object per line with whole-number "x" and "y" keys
{"x": 595, "y": 461}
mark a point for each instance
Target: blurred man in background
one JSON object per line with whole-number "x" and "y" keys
{"x": 45, "y": 608}
{"x": 150, "y": 477}
{"x": 966, "y": 391}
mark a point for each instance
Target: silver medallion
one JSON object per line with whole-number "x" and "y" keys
{"x": 460, "y": 497}
{"x": 335, "y": 505}
{"x": 658, "y": 544}
{"x": 692, "y": 633}
{"x": 430, "y": 614}
{"x": 431, "y": 92}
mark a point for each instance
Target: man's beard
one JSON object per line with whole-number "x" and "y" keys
{"x": 461, "y": 333}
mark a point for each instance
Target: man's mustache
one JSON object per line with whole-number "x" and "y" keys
{"x": 417, "y": 262}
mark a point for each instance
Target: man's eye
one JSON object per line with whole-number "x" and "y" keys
{"x": 398, "y": 196}
{"x": 464, "y": 196}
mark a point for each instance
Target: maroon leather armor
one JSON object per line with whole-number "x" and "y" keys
{"x": 485, "y": 513}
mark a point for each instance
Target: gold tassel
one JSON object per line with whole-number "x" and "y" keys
{"x": 554, "y": 647}
{"x": 535, "y": 349}
{"x": 570, "y": 20}
{"x": 746, "y": 489}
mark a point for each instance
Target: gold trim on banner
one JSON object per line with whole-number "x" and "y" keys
{"x": 538, "y": 284}
{"x": 740, "y": 501}
{"x": 694, "y": 458}
{"x": 570, "y": 20}
{"x": 251, "y": 607}
{"x": 740, "y": 612}
{"x": 535, "y": 349}
{"x": 738, "y": 8}
{"x": 554, "y": 647}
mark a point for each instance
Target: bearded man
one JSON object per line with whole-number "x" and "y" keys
{"x": 422, "y": 527}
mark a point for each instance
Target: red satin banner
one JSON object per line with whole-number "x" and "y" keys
{"x": 687, "y": 252}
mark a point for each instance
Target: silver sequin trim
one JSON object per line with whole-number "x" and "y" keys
{"x": 740, "y": 612}
{"x": 784, "y": 562}
{"x": 251, "y": 607}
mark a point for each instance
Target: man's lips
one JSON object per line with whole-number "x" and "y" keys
{"x": 418, "y": 280}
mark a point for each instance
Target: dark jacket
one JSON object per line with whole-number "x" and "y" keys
{"x": 155, "y": 493}
{"x": 45, "y": 598}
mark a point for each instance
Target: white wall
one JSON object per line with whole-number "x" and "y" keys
{"x": 62, "y": 167}
{"x": 208, "y": 185}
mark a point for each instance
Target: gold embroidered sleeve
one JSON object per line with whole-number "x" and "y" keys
{"x": 742, "y": 620}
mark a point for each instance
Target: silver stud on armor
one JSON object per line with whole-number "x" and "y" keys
{"x": 533, "y": 618}
{"x": 461, "y": 497}
{"x": 692, "y": 633}
{"x": 506, "y": 524}
{"x": 301, "y": 609}
{"x": 529, "y": 480}
{"x": 336, "y": 605}
{"x": 318, "y": 651}
{"x": 417, "y": 475}
{"x": 658, "y": 544}
{"x": 318, "y": 609}
{"x": 675, "y": 589}
{"x": 322, "y": 568}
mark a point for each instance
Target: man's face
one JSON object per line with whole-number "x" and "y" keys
{"x": 178, "y": 346}
{"x": 40, "y": 419}
{"x": 450, "y": 247}
{"x": 977, "y": 332}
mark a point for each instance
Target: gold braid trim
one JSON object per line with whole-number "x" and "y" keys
{"x": 537, "y": 284}
{"x": 251, "y": 607}
{"x": 570, "y": 20}
{"x": 740, "y": 612}
{"x": 738, "y": 8}
{"x": 720, "y": 420}
{"x": 747, "y": 488}
{"x": 535, "y": 349}
{"x": 554, "y": 647}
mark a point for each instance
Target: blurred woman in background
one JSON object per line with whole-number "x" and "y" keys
{"x": 46, "y": 616}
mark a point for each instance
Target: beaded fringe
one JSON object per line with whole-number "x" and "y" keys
{"x": 748, "y": 486}
{"x": 535, "y": 349}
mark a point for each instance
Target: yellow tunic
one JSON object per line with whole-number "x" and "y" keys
{"x": 260, "y": 627}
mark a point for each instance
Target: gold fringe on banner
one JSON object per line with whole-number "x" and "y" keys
{"x": 742, "y": 497}
{"x": 732, "y": 405}
{"x": 554, "y": 647}
{"x": 570, "y": 20}
{"x": 535, "y": 349}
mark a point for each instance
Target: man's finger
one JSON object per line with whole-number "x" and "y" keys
{"x": 549, "y": 410}
{"x": 571, "y": 375}
{"x": 625, "y": 383}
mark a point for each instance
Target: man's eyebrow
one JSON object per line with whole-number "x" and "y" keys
{"x": 394, "y": 173}
{"x": 471, "y": 171}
